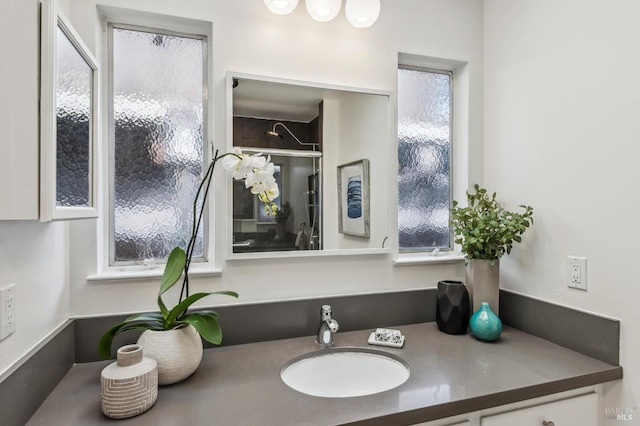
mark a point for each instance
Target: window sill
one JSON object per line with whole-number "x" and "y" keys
{"x": 427, "y": 258}
{"x": 137, "y": 273}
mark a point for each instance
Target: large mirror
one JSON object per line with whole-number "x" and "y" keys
{"x": 330, "y": 146}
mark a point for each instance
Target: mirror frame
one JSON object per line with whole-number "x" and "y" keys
{"x": 231, "y": 75}
{"x": 52, "y": 19}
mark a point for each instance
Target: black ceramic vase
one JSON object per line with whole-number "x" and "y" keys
{"x": 453, "y": 309}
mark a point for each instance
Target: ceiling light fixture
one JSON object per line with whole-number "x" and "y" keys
{"x": 281, "y": 7}
{"x": 323, "y": 10}
{"x": 362, "y": 13}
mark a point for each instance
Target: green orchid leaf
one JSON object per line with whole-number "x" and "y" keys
{"x": 226, "y": 293}
{"x": 172, "y": 273}
{"x": 163, "y": 307}
{"x": 147, "y": 316}
{"x": 104, "y": 345}
{"x": 183, "y": 306}
{"x": 206, "y": 324}
{"x": 208, "y": 312}
{"x": 173, "y": 269}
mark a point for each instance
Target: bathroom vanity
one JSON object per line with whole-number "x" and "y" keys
{"x": 453, "y": 380}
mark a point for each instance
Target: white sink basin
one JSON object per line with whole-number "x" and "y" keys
{"x": 345, "y": 372}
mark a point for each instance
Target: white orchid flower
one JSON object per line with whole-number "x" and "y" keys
{"x": 259, "y": 181}
{"x": 257, "y": 172}
{"x": 242, "y": 164}
{"x": 231, "y": 160}
{"x": 272, "y": 191}
{"x": 249, "y": 164}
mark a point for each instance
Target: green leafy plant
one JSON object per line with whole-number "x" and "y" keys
{"x": 257, "y": 172}
{"x": 484, "y": 229}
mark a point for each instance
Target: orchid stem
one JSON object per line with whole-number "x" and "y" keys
{"x": 195, "y": 226}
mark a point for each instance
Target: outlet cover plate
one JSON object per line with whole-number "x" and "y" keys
{"x": 577, "y": 272}
{"x": 7, "y": 310}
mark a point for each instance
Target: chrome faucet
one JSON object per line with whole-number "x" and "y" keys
{"x": 328, "y": 327}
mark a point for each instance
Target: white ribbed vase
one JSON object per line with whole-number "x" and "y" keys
{"x": 178, "y": 352}
{"x": 129, "y": 385}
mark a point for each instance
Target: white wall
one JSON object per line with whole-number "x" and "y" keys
{"x": 35, "y": 258}
{"x": 47, "y": 261}
{"x": 355, "y": 128}
{"x": 561, "y": 118}
{"x": 248, "y": 38}
{"x": 330, "y": 139}
{"x": 357, "y": 137}
{"x": 299, "y": 170}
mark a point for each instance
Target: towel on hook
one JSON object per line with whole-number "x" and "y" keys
{"x": 302, "y": 239}
{"x": 299, "y": 236}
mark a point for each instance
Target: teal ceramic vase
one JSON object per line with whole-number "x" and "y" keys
{"x": 485, "y": 324}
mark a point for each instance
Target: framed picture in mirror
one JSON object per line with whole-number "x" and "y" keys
{"x": 353, "y": 198}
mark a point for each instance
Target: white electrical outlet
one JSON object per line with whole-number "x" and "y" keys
{"x": 7, "y": 310}
{"x": 577, "y": 272}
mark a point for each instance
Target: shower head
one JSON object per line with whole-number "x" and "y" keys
{"x": 273, "y": 133}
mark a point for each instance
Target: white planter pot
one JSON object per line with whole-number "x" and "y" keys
{"x": 178, "y": 352}
{"x": 483, "y": 283}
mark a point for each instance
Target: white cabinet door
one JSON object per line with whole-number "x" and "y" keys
{"x": 19, "y": 110}
{"x": 439, "y": 423}
{"x": 26, "y": 173}
{"x": 580, "y": 410}
{"x": 68, "y": 120}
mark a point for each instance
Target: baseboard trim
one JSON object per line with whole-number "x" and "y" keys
{"x": 30, "y": 380}
{"x": 285, "y": 319}
{"x": 36, "y": 348}
{"x": 590, "y": 334}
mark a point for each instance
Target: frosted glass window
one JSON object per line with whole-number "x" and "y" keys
{"x": 157, "y": 125}
{"x": 424, "y": 150}
{"x": 73, "y": 125}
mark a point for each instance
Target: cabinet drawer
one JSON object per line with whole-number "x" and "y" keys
{"x": 580, "y": 410}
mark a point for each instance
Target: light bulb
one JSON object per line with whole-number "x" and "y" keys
{"x": 362, "y": 13}
{"x": 281, "y": 7}
{"x": 323, "y": 10}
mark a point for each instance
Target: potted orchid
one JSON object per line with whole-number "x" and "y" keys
{"x": 172, "y": 336}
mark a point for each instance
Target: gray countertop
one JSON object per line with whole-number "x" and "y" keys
{"x": 241, "y": 385}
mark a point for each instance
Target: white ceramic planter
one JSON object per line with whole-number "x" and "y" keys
{"x": 178, "y": 352}
{"x": 483, "y": 283}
